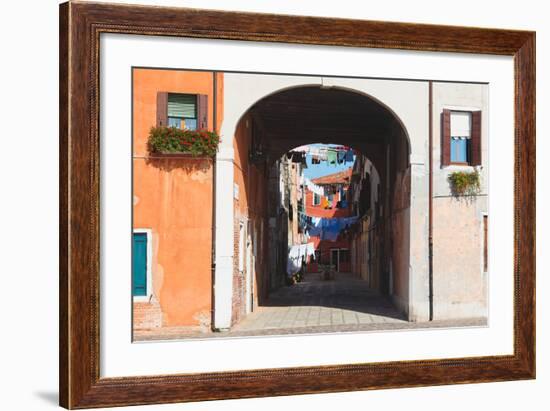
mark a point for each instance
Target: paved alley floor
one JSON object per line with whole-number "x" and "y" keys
{"x": 313, "y": 303}
{"x": 316, "y": 306}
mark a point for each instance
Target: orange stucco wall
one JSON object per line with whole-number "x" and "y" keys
{"x": 250, "y": 207}
{"x": 319, "y": 211}
{"x": 173, "y": 196}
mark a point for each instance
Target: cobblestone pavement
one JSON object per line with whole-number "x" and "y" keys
{"x": 314, "y": 306}
{"x": 315, "y": 303}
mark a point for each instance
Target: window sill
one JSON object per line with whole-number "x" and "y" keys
{"x": 179, "y": 154}
{"x": 142, "y": 298}
{"x": 458, "y": 166}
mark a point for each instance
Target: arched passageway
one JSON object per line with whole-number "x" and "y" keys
{"x": 303, "y": 115}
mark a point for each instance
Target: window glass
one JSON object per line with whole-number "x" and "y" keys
{"x": 182, "y": 111}
{"x": 459, "y": 149}
{"x": 461, "y": 132}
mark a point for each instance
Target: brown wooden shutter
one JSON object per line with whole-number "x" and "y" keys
{"x": 476, "y": 138}
{"x": 446, "y": 137}
{"x": 202, "y": 111}
{"x": 162, "y": 108}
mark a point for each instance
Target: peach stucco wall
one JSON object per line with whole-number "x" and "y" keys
{"x": 173, "y": 196}
{"x": 250, "y": 209}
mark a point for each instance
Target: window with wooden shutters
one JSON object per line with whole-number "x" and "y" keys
{"x": 185, "y": 111}
{"x": 182, "y": 111}
{"x": 461, "y": 134}
{"x": 461, "y": 137}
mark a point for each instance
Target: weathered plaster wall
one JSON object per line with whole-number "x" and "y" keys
{"x": 401, "y": 222}
{"x": 250, "y": 211}
{"x": 173, "y": 197}
{"x": 460, "y": 284}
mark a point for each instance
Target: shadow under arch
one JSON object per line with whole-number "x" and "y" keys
{"x": 399, "y": 125}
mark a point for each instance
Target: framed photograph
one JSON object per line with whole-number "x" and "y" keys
{"x": 258, "y": 205}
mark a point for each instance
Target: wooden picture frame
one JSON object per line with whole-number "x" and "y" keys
{"x": 80, "y": 27}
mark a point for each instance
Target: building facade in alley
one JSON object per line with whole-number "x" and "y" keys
{"x": 246, "y": 186}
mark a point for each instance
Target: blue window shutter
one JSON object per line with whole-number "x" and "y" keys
{"x": 139, "y": 264}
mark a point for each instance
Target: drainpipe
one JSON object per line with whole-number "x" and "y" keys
{"x": 430, "y": 203}
{"x": 214, "y": 127}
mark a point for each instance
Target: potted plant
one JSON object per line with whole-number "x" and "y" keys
{"x": 465, "y": 183}
{"x": 172, "y": 140}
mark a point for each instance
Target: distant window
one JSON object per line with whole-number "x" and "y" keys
{"x": 182, "y": 111}
{"x": 461, "y": 134}
{"x": 139, "y": 265}
{"x": 316, "y": 199}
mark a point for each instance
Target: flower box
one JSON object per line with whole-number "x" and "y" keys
{"x": 172, "y": 141}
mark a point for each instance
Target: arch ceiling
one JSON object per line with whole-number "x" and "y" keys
{"x": 313, "y": 114}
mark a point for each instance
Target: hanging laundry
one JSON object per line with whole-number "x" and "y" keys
{"x": 313, "y": 187}
{"x": 330, "y": 228}
{"x": 294, "y": 263}
{"x": 341, "y": 156}
{"x": 298, "y": 157}
{"x": 349, "y": 156}
{"x": 332, "y": 157}
{"x": 303, "y": 149}
{"x": 298, "y": 254}
{"x": 310, "y": 249}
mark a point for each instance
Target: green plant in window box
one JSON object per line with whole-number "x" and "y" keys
{"x": 465, "y": 183}
{"x": 172, "y": 140}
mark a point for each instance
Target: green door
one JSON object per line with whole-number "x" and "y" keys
{"x": 139, "y": 264}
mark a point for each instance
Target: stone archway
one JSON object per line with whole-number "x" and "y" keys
{"x": 287, "y": 111}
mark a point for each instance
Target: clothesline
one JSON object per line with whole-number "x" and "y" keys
{"x": 332, "y": 155}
